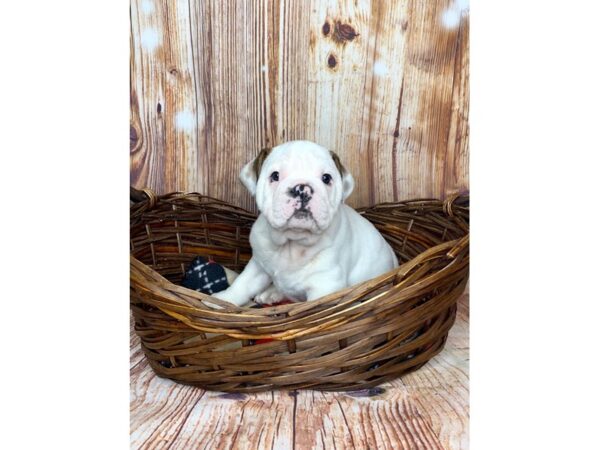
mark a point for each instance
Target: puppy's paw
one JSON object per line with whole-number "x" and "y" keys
{"x": 269, "y": 296}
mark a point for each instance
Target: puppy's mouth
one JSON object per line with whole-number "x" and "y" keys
{"x": 302, "y": 213}
{"x": 302, "y": 219}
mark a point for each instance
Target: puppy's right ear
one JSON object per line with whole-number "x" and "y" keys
{"x": 251, "y": 171}
{"x": 347, "y": 178}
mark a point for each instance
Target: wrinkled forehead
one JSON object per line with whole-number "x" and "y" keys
{"x": 299, "y": 158}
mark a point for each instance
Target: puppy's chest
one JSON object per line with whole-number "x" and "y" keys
{"x": 290, "y": 258}
{"x": 290, "y": 267}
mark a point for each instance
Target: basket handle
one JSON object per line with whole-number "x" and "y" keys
{"x": 449, "y": 202}
{"x": 142, "y": 195}
{"x": 458, "y": 247}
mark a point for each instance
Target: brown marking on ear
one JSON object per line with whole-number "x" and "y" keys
{"x": 259, "y": 160}
{"x": 338, "y": 163}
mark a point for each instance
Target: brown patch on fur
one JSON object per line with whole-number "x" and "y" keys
{"x": 338, "y": 163}
{"x": 259, "y": 160}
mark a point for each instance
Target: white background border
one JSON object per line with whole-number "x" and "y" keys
{"x": 64, "y": 184}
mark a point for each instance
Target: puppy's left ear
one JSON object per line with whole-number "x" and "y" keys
{"x": 251, "y": 171}
{"x": 347, "y": 178}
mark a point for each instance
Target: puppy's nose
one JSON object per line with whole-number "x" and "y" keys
{"x": 304, "y": 191}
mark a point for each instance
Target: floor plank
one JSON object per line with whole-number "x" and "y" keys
{"x": 427, "y": 409}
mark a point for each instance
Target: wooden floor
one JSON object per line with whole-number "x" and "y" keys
{"x": 427, "y": 409}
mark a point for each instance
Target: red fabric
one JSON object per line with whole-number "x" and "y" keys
{"x": 285, "y": 301}
{"x": 282, "y": 302}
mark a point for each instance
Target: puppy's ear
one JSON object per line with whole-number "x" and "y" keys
{"x": 347, "y": 178}
{"x": 251, "y": 171}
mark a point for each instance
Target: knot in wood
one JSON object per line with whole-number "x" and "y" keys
{"x": 133, "y": 137}
{"x": 344, "y": 32}
{"x": 331, "y": 61}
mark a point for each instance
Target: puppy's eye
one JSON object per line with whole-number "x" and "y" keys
{"x": 326, "y": 178}
{"x": 275, "y": 176}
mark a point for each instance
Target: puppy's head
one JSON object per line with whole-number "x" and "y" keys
{"x": 298, "y": 185}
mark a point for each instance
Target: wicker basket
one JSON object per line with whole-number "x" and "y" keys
{"x": 353, "y": 339}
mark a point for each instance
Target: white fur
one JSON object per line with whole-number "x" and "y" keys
{"x": 306, "y": 258}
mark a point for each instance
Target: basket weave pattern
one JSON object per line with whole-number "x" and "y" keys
{"x": 356, "y": 338}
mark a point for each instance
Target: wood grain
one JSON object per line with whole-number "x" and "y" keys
{"x": 427, "y": 409}
{"x": 382, "y": 83}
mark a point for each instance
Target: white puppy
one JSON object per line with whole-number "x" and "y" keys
{"x": 307, "y": 242}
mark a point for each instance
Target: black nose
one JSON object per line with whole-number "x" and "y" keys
{"x": 304, "y": 191}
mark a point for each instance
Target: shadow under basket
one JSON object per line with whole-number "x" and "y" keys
{"x": 355, "y": 338}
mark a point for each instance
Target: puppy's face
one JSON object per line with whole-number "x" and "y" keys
{"x": 298, "y": 185}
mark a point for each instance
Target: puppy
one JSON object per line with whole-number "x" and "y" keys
{"x": 306, "y": 242}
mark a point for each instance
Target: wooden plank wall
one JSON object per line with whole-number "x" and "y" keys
{"x": 382, "y": 82}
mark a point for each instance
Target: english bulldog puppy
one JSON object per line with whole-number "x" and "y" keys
{"x": 306, "y": 242}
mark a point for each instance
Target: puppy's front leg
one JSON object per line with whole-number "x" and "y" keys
{"x": 253, "y": 280}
